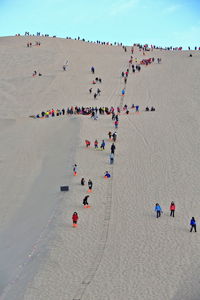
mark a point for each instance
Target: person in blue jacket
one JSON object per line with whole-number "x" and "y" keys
{"x": 193, "y": 225}
{"x": 158, "y": 210}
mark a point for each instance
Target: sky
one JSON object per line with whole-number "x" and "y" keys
{"x": 158, "y": 22}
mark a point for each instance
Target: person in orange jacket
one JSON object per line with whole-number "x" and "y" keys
{"x": 172, "y": 209}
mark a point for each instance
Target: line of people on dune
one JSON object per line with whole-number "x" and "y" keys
{"x": 89, "y": 111}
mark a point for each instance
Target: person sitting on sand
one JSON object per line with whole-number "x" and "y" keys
{"x": 153, "y": 108}
{"x": 107, "y": 175}
{"x": 147, "y": 108}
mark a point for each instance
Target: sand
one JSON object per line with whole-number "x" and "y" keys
{"x": 119, "y": 250}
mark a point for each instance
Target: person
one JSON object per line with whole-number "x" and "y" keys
{"x": 112, "y": 148}
{"x": 103, "y": 145}
{"x": 123, "y": 92}
{"x": 111, "y": 158}
{"x": 75, "y": 219}
{"x": 98, "y": 91}
{"x": 92, "y": 70}
{"x": 85, "y": 201}
{"x": 75, "y": 170}
{"x": 107, "y": 175}
{"x": 147, "y": 108}
{"x": 95, "y": 95}
{"x": 87, "y": 143}
{"x": 172, "y": 209}
{"x": 90, "y": 90}
{"x": 64, "y": 68}
{"x": 125, "y": 80}
{"x": 82, "y": 181}
{"x": 116, "y": 124}
{"x": 96, "y": 144}
{"x": 109, "y": 135}
{"x": 137, "y": 108}
{"x": 158, "y": 210}
{"x": 153, "y": 108}
{"x": 193, "y": 225}
{"x": 90, "y": 184}
{"x": 122, "y": 74}
{"x": 114, "y": 136}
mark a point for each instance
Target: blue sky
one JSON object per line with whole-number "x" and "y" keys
{"x": 160, "y": 22}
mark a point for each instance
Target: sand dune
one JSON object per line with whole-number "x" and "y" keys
{"x": 119, "y": 250}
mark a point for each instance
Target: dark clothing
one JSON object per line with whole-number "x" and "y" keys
{"x": 113, "y": 148}
{"x": 172, "y": 213}
{"x": 158, "y": 213}
{"x": 85, "y": 200}
{"x": 193, "y": 226}
{"x": 90, "y": 184}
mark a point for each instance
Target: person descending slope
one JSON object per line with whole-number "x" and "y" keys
{"x": 90, "y": 184}
{"x": 75, "y": 219}
{"x": 85, "y": 202}
{"x": 112, "y": 148}
{"x": 75, "y": 170}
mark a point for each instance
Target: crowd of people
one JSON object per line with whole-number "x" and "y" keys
{"x": 112, "y": 136}
{"x": 91, "y": 111}
{"x": 107, "y": 175}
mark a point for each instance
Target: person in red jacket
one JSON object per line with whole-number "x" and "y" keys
{"x": 172, "y": 209}
{"x": 75, "y": 219}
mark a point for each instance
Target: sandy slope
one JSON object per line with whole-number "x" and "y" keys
{"x": 120, "y": 250}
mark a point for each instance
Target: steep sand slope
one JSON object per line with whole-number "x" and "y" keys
{"x": 120, "y": 250}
